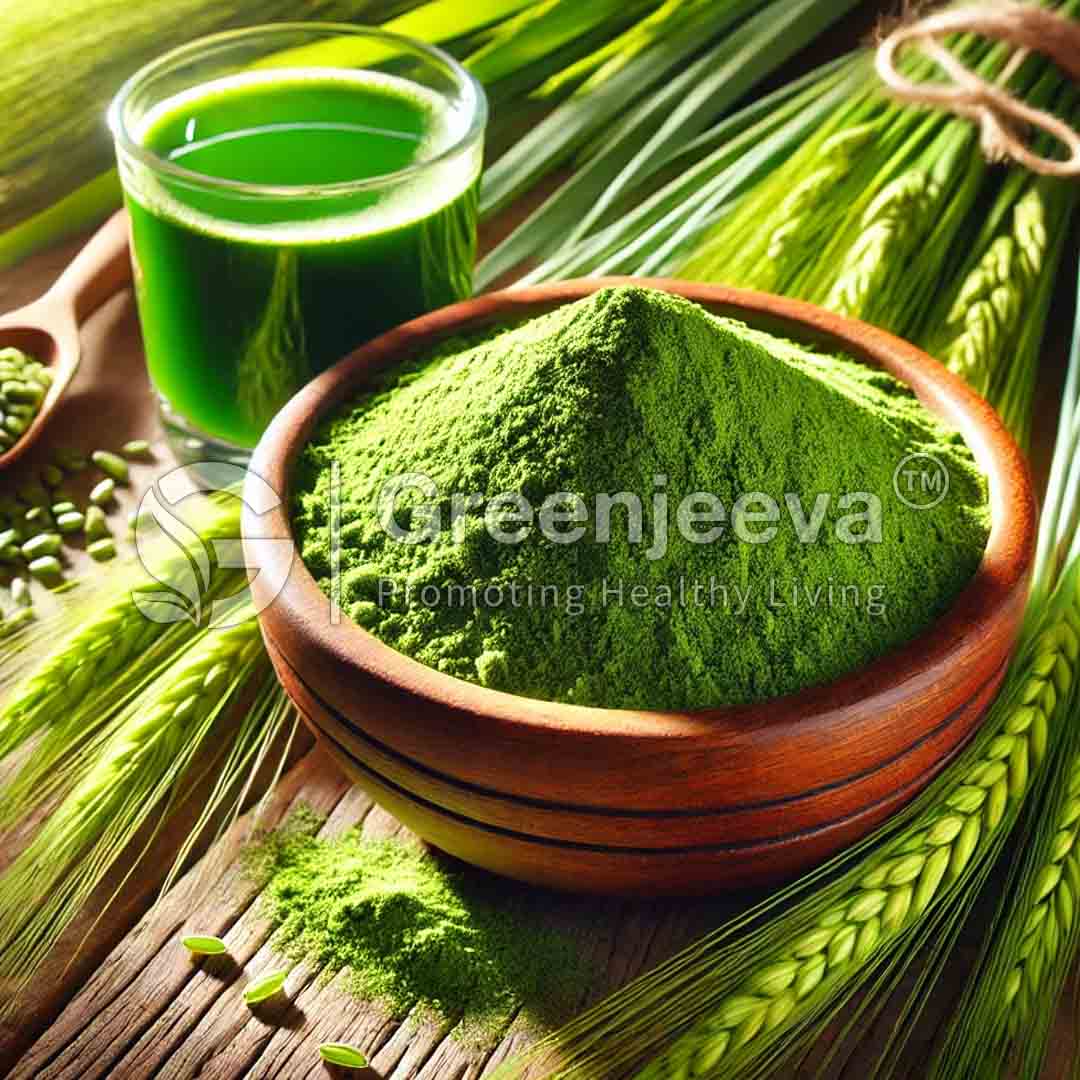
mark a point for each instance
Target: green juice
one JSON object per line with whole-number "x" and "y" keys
{"x": 245, "y": 294}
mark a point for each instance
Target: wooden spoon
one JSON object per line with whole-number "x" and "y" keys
{"x": 48, "y": 329}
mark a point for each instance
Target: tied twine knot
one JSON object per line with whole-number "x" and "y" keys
{"x": 1001, "y": 117}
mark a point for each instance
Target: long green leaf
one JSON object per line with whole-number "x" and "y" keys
{"x": 708, "y": 87}
{"x": 542, "y": 29}
{"x": 729, "y": 68}
{"x": 551, "y": 142}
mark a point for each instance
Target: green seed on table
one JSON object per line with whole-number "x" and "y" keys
{"x": 15, "y": 621}
{"x": 111, "y": 465}
{"x": 101, "y": 550}
{"x": 348, "y": 1057}
{"x": 71, "y": 521}
{"x": 34, "y": 495}
{"x": 37, "y": 516}
{"x": 42, "y": 544}
{"x": 266, "y": 986}
{"x": 70, "y": 460}
{"x": 52, "y": 476}
{"x": 136, "y": 448}
{"x": 97, "y": 525}
{"x": 20, "y": 592}
{"x": 47, "y": 570}
{"x": 204, "y": 945}
{"x": 103, "y": 492}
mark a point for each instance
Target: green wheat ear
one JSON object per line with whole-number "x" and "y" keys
{"x": 994, "y": 300}
{"x": 891, "y": 229}
{"x": 114, "y": 792}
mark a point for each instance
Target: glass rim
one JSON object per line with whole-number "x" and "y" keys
{"x": 475, "y": 100}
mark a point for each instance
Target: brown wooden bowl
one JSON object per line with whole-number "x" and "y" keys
{"x": 633, "y": 802}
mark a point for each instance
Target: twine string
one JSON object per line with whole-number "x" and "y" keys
{"x": 1002, "y": 118}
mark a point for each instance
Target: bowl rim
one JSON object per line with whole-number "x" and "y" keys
{"x": 999, "y": 583}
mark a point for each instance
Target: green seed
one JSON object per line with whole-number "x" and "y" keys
{"x": 37, "y": 517}
{"x": 51, "y": 476}
{"x": 34, "y": 495}
{"x": 20, "y": 592}
{"x": 47, "y": 570}
{"x": 266, "y": 986}
{"x": 97, "y": 525}
{"x": 70, "y": 460}
{"x": 20, "y": 393}
{"x": 15, "y": 425}
{"x": 136, "y": 448}
{"x": 66, "y": 507}
{"x": 10, "y": 537}
{"x": 15, "y": 621}
{"x": 204, "y": 945}
{"x": 343, "y": 1055}
{"x": 42, "y": 544}
{"x": 44, "y": 376}
{"x": 103, "y": 492}
{"x": 102, "y": 550}
{"x": 70, "y": 522}
{"x": 111, "y": 465}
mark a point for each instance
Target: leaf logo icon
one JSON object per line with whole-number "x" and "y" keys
{"x": 176, "y": 557}
{"x": 186, "y": 564}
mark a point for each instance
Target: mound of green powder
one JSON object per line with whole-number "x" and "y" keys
{"x": 411, "y": 932}
{"x": 800, "y": 514}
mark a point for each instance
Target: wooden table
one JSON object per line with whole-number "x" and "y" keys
{"x": 129, "y": 1003}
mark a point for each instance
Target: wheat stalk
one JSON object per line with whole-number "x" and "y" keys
{"x": 891, "y": 228}
{"x": 797, "y": 221}
{"x": 908, "y": 878}
{"x": 149, "y": 748}
{"x": 114, "y": 648}
{"x": 994, "y": 298}
{"x": 1051, "y": 912}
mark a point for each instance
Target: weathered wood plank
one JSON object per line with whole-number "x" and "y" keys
{"x": 148, "y": 965}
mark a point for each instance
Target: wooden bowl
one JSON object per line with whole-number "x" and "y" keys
{"x": 627, "y": 802}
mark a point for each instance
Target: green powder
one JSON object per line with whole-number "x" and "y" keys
{"x": 412, "y": 933}
{"x": 636, "y": 392}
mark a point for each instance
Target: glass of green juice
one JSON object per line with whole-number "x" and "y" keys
{"x": 294, "y": 191}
